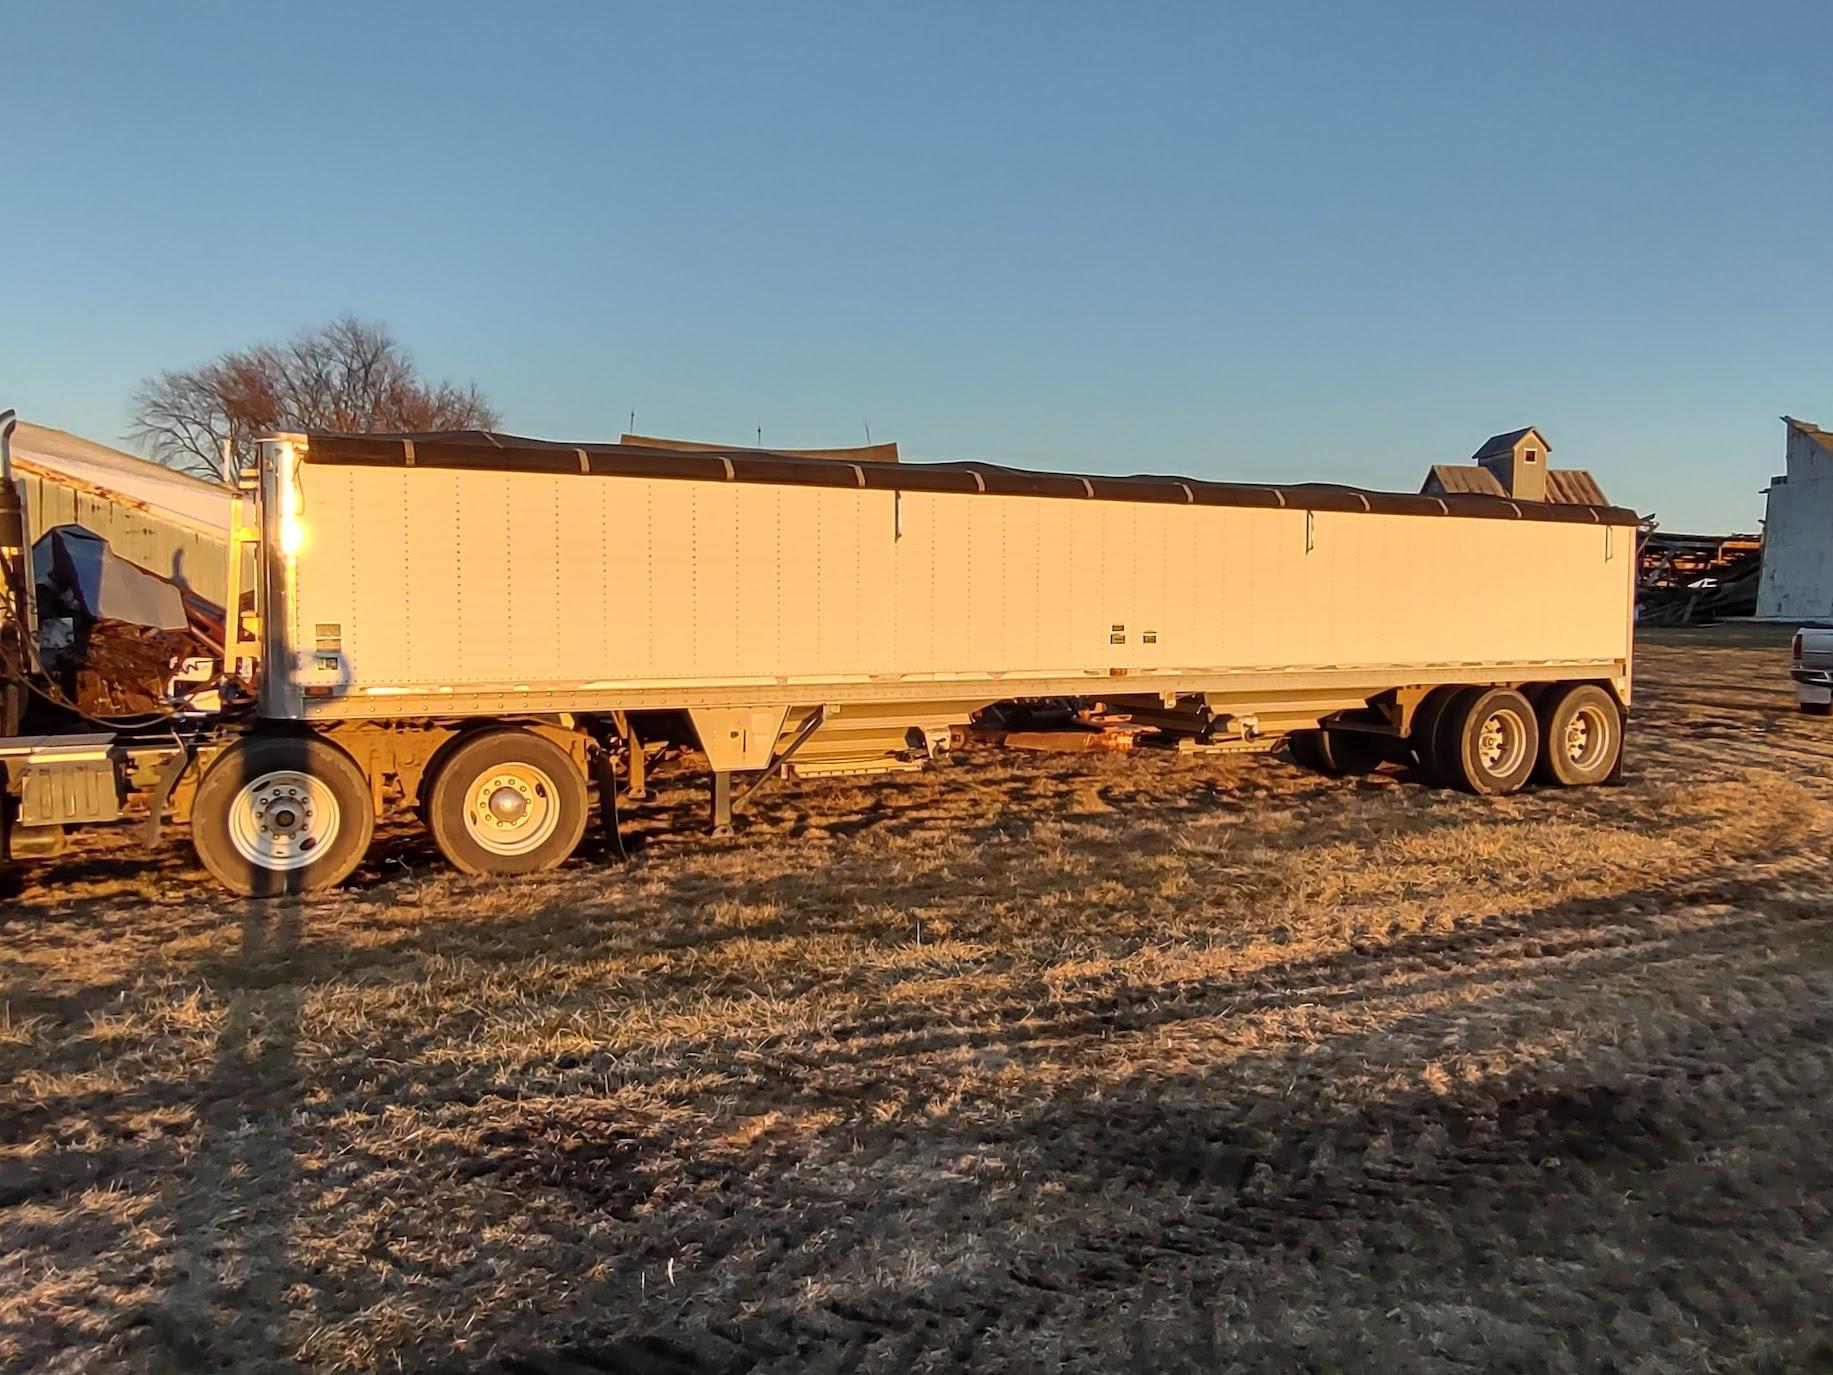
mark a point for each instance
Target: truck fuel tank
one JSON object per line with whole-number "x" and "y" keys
{"x": 58, "y": 780}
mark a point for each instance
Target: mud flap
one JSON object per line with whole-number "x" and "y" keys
{"x": 169, "y": 773}
{"x": 606, "y": 776}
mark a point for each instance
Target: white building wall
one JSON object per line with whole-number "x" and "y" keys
{"x": 1797, "y": 578}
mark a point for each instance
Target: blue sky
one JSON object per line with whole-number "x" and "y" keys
{"x": 1282, "y": 241}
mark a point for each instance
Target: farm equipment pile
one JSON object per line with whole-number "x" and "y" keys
{"x": 1696, "y": 579}
{"x": 115, "y": 639}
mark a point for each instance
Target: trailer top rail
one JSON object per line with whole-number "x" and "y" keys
{"x": 489, "y": 451}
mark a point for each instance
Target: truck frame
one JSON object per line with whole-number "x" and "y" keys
{"x": 481, "y": 629}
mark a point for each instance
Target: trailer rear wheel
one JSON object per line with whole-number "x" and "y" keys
{"x": 1339, "y": 753}
{"x": 1307, "y": 749}
{"x": 1424, "y": 738}
{"x": 507, "y": 802}
{"x": 279, "y": 814}
{"x": 1487, "y": 741}
{"x": 1581, "y": 735}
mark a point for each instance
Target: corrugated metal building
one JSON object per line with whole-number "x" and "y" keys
{"x": 165, "y": 521}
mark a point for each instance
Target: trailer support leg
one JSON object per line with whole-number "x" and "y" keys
{"x": 722, "y": 803}
{"x": 816, "y": 719}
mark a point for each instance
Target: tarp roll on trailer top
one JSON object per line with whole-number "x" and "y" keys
{"x": 488, "y": 451}
{"x": 862, "y": 453}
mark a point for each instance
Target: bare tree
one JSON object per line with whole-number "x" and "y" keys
{"x": 350, "y": 375}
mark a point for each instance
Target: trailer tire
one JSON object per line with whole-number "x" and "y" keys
{"x": 1581, "y": 735}
{"x": 1351, "y": 752}
{"x": 1488, "y": 741}
{"x": 1339, "y": 753}
{"x": 507, "y": 802}
{"x": 1427, "y": 718}
{"x": 281, "y": 814}
{"x": 1307, "y": 749}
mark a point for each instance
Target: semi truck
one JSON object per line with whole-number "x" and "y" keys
{"x": 480, "y": 631}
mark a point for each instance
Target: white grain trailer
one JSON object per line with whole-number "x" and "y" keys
{"x": 472, "y": 626}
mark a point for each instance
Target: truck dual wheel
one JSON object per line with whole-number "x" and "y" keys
{"x": 1487, "y": 741}
{"x": 506, "y": 802}
{"x": 279, "y": 814}
{"x": 1581, "y": 734}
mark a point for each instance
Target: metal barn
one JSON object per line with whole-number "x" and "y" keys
{"x": 166, "y": 521}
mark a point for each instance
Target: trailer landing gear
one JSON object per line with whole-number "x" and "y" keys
{"x": 720, "y": 824}
{"x": 722, "y": 799}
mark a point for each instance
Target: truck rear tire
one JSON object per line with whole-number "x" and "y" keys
{"x": 507, "y": 802}
{"x": 1581, "y": 735}
{"x": 280, "y": 814}
{"x": 1487, "y": 741}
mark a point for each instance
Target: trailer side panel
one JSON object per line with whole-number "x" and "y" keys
{"x": 458, "y": 585}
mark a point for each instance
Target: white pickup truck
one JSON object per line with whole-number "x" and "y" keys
{"x": 1811, "y": 666}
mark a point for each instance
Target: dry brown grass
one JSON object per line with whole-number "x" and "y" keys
{"x": 1028, "y": 1063}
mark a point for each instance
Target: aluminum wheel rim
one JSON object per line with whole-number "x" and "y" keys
{"x": 283, "y": 820}
{"x": 1587, "y": 737}
{"x": 1501, "y": 743}
{"x": 512, "y": 809}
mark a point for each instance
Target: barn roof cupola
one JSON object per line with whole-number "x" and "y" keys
{"x": 1515, "y": 465}
{"x": 1518, "y": 460}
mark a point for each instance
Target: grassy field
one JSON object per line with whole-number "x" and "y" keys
{"x": 1027, "y": 1063}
